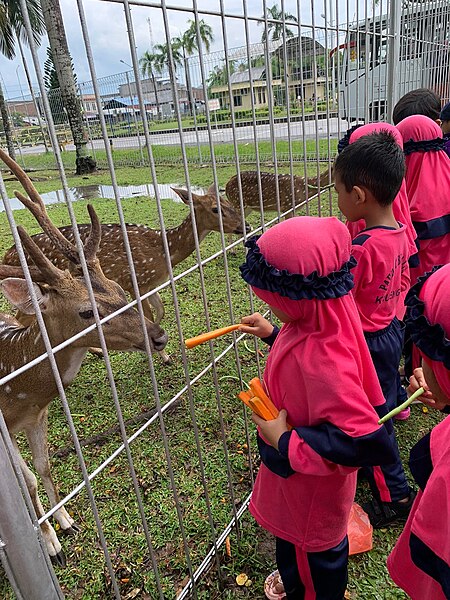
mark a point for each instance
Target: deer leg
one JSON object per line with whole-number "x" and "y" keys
{"x": 37, "y": 439}
{"x": 48, "y": 533}
{"x": 155, "y": 301}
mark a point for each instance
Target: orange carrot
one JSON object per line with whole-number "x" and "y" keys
{"x": 245, "y": 397}
{"x": 258, "y": 406}
{"x": 210, "y": 335}
{"x": 258, "y": 390}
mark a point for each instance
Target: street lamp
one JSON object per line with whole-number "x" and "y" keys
{"x": 132, "y": 107}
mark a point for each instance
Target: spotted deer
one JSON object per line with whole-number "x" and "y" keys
{"x": 66, "y": 310}
{"x": 250, "y": 193}
{"x": 147, "y": 247}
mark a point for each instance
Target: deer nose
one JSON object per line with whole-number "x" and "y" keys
{"x": 160, "y": 342}
{"x": 240, "y": 231}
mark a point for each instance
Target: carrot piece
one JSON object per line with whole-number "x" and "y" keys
{"x": 260, "y": 408}
{"x": 245, "y": 397}
{"x": 210, "y": 335}
{"x": 258, "y": 390}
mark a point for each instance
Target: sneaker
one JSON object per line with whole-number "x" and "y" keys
{"x": 382, "y": 514}
{"x": 403, "y": 415}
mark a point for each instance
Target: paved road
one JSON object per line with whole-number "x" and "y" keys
{"x": 324, "y": 129}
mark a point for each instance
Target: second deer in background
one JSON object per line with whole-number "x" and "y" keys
{"x": 286, "y": 184}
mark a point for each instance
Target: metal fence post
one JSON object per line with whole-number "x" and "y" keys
{"x": 22, "y": 556}
{"x": 395, "y": 9}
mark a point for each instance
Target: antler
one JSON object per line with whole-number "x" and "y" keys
{"x": 44, "y": 272}
{"x": 37, "y": 208}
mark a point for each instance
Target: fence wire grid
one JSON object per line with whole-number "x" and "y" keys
{"x": 156, "y": 461}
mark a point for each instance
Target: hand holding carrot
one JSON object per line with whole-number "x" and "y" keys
{"x": 257, "y": 325}
{"x": 274, "y": 429}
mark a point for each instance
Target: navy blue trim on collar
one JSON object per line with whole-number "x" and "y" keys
{"x": 257, "y": 272}
{"x": 430, "y": 339}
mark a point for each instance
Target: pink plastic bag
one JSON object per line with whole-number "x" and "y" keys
{"x": 359, "y": 530}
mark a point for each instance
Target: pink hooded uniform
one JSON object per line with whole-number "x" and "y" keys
{"x": 428, "y": 188}
{"x": 400, "y": 206}
{"x": 319, "y": 370}
{"x": 420, "y": 561}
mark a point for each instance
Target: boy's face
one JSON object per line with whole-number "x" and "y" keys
{"x": 445, "y": 126}
{"x": 350, "y": 203}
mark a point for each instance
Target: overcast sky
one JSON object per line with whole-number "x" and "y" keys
{"x": 109, "y": 40}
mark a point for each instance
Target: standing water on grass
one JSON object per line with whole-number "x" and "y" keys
{"x": 88, "y": 192}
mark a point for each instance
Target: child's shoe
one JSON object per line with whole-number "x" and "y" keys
{"x": 403, "y": 415}
{"x": 382, "y": 514}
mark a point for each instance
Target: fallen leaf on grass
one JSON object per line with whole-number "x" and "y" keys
{"x": 228, "y": 546}
{"x": 241, "y": 579}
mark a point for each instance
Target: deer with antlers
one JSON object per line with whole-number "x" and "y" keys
{"x": 287, "y": 199}
{"x": 66, "y": 309}
{"x": 147, "y": 247}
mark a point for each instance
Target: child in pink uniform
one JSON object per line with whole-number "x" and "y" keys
{"x": 420, "y": 561}
{"x": 400, "y": 206}
{"x": 320, "y": 376}
{"x": 428, "y": 189}
{"x": 368, "y": 174}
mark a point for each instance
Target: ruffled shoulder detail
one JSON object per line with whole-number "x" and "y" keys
{"x": 423, "y": 146}
{"x": 345, "y": 140}
{"x": 430, "y": 339}
{"x": 256, "y": 271}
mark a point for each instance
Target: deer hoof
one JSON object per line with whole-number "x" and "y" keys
{"x": 166, "y": 358}
{"x": 59, "y": 560}
{"x": 96, "y": 352}
{"x": 72, "y": 530}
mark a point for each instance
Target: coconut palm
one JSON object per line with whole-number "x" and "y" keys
{"x": 64, "y": 70}
{"x": 275, "y": 25}
{"x": 12, "y": 28}
{"x": 148, "y": 68}
{"x": 162, "y": 56}
{"x": 188, "y": 44}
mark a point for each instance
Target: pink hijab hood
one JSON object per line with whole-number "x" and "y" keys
{"x": 400, "y": 206}
{"x": 302, "y": 267}
{"x": 427, "y": 169}
{"x": 428, "y": 320}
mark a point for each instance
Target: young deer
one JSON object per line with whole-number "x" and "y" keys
{"x": 147, "y": 247}
{"x": 250, "y": 194}
{"x": 67, "y": 310}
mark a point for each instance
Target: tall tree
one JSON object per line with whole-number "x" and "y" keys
{"x": 63, "y": 65}
{"x": 188, "y": 44}
{"x": 148, "y": 68}
{"x": 12, "y": 28}
{"x": 275, "y": 25}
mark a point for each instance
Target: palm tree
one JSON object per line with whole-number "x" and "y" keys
{"x": 275, "y": 30}
{"x": 63, "y": 65}
{"x": 12, "y": 28}
{"x": 148, "y": 67}
{"x": 188, "y": 43}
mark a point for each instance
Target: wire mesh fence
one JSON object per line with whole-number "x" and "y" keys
{"x": 156, "y": 460}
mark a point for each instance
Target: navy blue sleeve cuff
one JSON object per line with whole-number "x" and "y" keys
{"x": 272, "y": 337}
{"x": 283, "y": 444}
{"x": 446, "y": 409}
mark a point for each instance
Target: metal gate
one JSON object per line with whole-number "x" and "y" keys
{"x": 156, "y": 461}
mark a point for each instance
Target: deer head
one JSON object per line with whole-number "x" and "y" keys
{"x": 207, "y": 211}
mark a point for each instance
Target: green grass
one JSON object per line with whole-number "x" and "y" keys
{"x": 92, "y": 406}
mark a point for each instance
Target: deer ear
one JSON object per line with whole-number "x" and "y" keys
{"x": 17, "y": 292}
{"x": 184, "y": 195}
{"x": 212, "y": 190}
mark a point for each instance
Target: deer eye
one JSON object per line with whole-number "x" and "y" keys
{"x": 215, "y": 210}
{"x": 87, "y": 314}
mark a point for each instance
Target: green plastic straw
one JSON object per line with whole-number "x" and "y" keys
{"x": 399, "y": 409}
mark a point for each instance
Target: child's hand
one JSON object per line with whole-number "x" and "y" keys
{"x": 257, "y": 325}
{"x": 428, "y": 398}
{"x": 272, "y": 430}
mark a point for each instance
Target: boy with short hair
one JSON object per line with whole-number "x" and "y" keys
{"x": 417, "y": 102}
{"x": 368, "y": 175}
